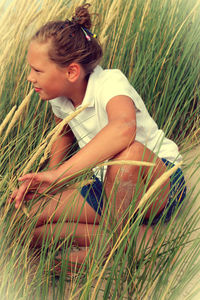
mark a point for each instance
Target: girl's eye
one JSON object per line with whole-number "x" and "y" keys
{"x": 35, "y": 70}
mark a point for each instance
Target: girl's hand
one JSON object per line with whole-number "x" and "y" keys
{"x": 33, "y": 184}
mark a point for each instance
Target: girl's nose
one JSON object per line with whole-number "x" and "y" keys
{"x": 31, "y": 78}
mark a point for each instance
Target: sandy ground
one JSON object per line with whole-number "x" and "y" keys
{"x": 192, "y": 175}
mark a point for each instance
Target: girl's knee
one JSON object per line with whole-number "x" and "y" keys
{"x": 126, "y": 172}
{"x": 136, "y": 151}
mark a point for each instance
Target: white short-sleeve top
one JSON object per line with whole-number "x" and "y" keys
{"x": 102, "y": 86}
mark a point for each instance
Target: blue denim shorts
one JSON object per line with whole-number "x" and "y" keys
{"x": 176, "y": 196}
{"x": 94, "y": 194}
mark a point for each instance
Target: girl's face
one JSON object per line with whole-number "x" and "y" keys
{"x": 48, "y": 79}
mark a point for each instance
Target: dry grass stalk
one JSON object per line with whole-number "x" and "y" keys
{"x": 145, "y": 10}
{"x": 12, "y": 30}
{"x": 54, "y": 11}
{"x": 162, "y": 179}
{"x": 81, "y": 184}
{"x": 111, "y": 15}
{"x": 2, "y": 5}
{"x": 5, "y": 17}
{"x": 7, "y": 119}
{"x": 34, "y": 157}
{"x": 127, "y": 162}
{"x": 25, "y": 210}
{"x": 3, "y": 64}
{"x": 173, "y": 40}
{"x": 4, "y": 55}
{"x": 128, "y": 32}
{"x": 54, "y": 134}
{"x": 65, "y": 121}
{"x": 118, "y": 31}
{"x": 150, "y": 290}
{"x": 18, "y": 113}
{"x": 107, "y": 24}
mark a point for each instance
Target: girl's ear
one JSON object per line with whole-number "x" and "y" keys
{"x": 73, "y": 72}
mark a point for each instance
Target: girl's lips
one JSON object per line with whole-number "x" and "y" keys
{"x": 37, "y": 90}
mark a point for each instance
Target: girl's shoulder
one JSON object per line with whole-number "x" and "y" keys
{"x": 108, "y": 83}
{"x": 107, "y": 80}
{"x": 109, "y": 75}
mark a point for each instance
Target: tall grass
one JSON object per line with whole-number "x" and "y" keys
{"x": 156, "y": 44}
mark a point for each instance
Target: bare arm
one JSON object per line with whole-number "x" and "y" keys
{"x": 62, "y": 145}
{"x": 117, "y": 135}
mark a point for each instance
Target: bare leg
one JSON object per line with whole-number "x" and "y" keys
{"x": 65, "y": 215}
{"x": 126, "y": 178}
{"x": 82, "y": 233}
{"x": 69, "y": 206}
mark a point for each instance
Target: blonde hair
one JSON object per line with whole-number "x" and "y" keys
{"x": 68, "y": 42}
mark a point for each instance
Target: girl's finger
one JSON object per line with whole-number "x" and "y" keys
{"x": 12, "y": 196}
{"x": 22, "y": 191}
{"x": 29, "y": 176}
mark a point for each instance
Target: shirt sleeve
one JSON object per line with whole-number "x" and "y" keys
{"x": 115, "y": 84}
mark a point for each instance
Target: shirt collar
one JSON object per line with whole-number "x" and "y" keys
{"x": 89, "y": 94}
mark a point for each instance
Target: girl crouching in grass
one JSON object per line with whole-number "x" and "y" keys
{"x": 64, "y": 59}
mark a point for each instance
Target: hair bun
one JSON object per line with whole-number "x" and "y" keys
{"x": 82, "y": 16}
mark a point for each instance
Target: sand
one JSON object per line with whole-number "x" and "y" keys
{"x": 192, "y": 175}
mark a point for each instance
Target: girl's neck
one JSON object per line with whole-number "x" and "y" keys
{"x": 78, "y": 93}
{"x": 77, "y": 89}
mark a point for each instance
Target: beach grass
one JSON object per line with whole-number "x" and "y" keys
{"x": 156, "y": 44}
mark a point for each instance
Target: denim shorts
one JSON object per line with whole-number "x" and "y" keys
{"x": 176, "y": 196}
{"x": 94, "y": 195}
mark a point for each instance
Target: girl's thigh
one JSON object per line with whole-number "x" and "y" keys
{"x": 69, "y": 206}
